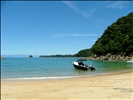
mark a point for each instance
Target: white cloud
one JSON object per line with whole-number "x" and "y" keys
{"x": 71, "y": 5}
{"x": 116, "y": 4}
{"x": 75, "y": 35}
{"x": 75, "y": 8}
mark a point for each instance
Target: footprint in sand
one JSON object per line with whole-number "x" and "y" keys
{"x": 125, "y": 90}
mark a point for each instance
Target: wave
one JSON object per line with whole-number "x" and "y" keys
{"x": 43, "y": 78}
{"x": 65, "y": 77}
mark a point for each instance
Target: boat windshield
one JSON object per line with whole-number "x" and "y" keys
{"x": 81, "y": 63}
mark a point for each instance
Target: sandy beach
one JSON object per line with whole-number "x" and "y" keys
{"x": 115, "y": 86}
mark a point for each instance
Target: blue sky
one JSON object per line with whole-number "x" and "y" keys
{"x": 56, "y": 27}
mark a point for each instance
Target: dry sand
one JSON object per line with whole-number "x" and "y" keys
{"x": 114, "y": 87}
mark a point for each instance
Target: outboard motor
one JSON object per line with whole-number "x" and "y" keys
{"x": 91, "y": 68}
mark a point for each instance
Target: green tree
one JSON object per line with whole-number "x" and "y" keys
{"x": 117, "y": 39}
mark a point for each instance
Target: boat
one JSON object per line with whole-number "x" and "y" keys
{"x": 130, "y": 61}
{"x": 79, "y": 64}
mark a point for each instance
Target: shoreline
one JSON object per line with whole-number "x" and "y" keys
{"x": 109, "y": 57}
{"x": 114, "y": 86}
{"x": 63, "y": 77}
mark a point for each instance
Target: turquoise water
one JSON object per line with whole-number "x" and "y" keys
{"x": 52, "y": 68}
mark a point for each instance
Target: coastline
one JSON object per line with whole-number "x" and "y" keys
{"x": 109, "y": 57}
{"x": 62, "y": 77}
{"x": 112, "y": 86}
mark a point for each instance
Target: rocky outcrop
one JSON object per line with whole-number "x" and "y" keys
{"x": 109, "y": 57}
{"x": 1, "y": 57}
{"x": 30, "y": 56}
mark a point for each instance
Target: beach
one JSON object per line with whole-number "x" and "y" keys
{"x": 114, "y": 86}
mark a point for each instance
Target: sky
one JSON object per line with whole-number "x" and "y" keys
{"x": 56, "y": 27}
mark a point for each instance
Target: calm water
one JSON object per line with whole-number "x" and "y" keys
{"x": 52, "y": 68}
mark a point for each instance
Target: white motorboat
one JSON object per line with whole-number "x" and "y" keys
{"x": 130, "y": 61}
{"x": 80, "y": 65}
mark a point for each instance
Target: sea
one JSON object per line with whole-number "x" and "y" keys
{"x": 56, "y": 68}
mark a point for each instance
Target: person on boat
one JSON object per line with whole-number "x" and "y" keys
{"x": 81, "y": 63}
{"x": 92, "y": 67}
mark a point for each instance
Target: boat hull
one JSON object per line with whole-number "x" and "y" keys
{"x": 80, "y": 67}
{"x": 130, "y": 61}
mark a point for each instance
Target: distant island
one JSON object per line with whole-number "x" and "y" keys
{"x": 116, "y": 43}
{"x": 30, "y": 56}
{"x": 58, "y": 55}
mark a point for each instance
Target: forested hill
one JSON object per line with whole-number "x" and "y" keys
{"x": 117, "y": 39}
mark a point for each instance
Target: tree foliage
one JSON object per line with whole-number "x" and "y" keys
{"x": 84, "y": 53}
{"x": 117, "y": 39}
